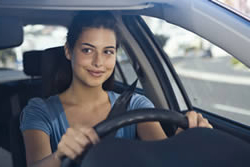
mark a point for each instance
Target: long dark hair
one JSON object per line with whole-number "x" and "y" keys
{"x": 83, "y": 20}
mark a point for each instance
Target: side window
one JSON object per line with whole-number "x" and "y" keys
{"x": 124, "y": 71}
{"x": 36, "y": 37}
{"x": 214, "y": 80}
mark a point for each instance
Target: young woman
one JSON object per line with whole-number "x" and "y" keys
{"x": 61, "y": 125}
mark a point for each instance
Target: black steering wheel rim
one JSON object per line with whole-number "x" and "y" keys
{"x": 141, "y": 115}
{"x": 132, "y": 117}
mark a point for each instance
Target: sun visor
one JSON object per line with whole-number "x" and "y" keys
{"x": 11, "y": 32}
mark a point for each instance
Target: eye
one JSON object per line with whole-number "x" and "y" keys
{"x": 87, "y": 50}
{"x": 109, "y": 52}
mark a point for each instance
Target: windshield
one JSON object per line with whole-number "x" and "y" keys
{"x": 214, "y": 80}
{"x": 240, "y": 7}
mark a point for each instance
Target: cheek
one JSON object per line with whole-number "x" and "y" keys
{"x": 110, "y": 63}
{"x": 81, "y": 60}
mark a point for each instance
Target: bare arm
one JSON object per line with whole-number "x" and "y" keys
{"x": 38, "y": 150}
{"x": 72, "y": 144}
{"x": 150, "y": 131}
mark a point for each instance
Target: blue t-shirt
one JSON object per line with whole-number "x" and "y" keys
{"x": 48, "y": 115}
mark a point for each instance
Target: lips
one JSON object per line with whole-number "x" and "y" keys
{"x": 95, "y": 73}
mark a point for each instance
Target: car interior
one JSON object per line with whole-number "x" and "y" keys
{"x": 40, "y": 65}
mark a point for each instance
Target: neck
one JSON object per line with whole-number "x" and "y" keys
{"x": 79, "y": 93}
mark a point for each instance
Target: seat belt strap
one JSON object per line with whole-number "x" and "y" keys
{"x": 121, "y": 104}
{"x": 122, "y": 101}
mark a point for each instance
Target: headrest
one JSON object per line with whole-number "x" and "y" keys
{"x": 32, "y": 63}
{"x": 50, "y": 60}
{"x": 56, "y": 71}
{"x": 47, "y": 64}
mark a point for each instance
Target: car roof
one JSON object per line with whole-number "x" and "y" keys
{"x": 80, "y": 4}
{"x": 60, "y": 12}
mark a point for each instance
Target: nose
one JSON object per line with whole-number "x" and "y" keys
{"x": 97, "y": 60}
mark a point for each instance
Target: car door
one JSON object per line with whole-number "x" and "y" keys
{"x": 232, "y": 37}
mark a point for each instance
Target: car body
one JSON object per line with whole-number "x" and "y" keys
{"x": 160, "y": 79}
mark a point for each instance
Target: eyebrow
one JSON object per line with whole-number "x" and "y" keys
{"x": 110, "y": 47}
{"x": 88, "y": 44}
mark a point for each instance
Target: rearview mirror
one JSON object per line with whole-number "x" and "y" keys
{"x": 11, "y": 32}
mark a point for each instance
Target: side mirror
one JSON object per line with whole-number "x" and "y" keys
{"x": 11, "y": 32}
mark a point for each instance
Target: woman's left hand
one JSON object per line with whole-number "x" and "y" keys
{"x": 195, "y": 120}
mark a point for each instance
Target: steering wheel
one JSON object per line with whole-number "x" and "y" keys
{"x": 194, "y": 147}
{"x": 132, "y": 117}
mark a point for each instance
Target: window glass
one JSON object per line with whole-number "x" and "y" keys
{"x": 36, "y": 37}
{"x": 214, "y": 80}
{"x": 126, "y": 69}
{"x": 40, "y": 37}
{"x": 241, "y": 7}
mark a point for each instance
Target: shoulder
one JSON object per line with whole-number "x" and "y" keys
{"x": 35, "y": 104}
{"x": 36, "y": 115}
{"x": 40, "y": 106}
{"x": 140, "y": 101}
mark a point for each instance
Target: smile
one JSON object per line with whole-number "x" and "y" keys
{"x": 95, "y": 73}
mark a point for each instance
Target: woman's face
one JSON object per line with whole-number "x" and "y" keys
{"x": 94, "y": 56}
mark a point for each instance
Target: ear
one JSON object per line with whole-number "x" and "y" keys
{"x": 67, "y": 51}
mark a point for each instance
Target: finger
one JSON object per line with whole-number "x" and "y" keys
{"x": 91, "y": 135}
{"x": 68, "y": 152}
{"x": 80, "y": 137}
{"x": 210, "y": 126}
{"x": 192, "y": 119}
{"x": 199, "y": 115}
{"x": 74, "y": 143}
{"x": 203, "y": 122}
{"x": 205, "y": 125}
{"x": 71, "y": 143}
{"x": 200, "y": 118}
{"x": 178, "y": 130}
{"x": 82, "y": 140}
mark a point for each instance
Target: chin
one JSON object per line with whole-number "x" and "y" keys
{"x": 94, "y": 83}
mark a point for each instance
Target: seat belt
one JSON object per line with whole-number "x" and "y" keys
{"x": 118, "y": 108}
{"x": 121, "y": 104}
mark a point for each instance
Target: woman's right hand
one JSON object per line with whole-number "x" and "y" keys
{"x": 75, "y": 141}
